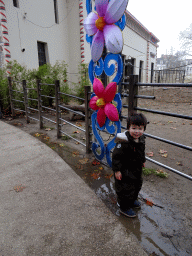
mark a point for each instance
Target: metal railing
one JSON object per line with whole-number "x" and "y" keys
{"x": 57, "y": 109}
{"x": 132, "y": 106}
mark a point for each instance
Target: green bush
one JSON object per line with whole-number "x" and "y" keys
{"x": 47, "y": 74}
{"x": 83, "y": 81}
{"x": 4, "y": 91}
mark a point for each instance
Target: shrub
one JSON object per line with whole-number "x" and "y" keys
{"x": 83, "y": 81}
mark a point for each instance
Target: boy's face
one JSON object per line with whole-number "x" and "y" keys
{"x": 136, "y": 131}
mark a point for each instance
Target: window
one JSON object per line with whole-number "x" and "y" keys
{"x": 41, "y": 53}
{"x": 16, "y": 3}
{"x": 56, "y": 11}
{"x": 140, "y": 71}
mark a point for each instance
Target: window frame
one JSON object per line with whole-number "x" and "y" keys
{"x": 45, "y": 53}
{"x": 16, "y": 3}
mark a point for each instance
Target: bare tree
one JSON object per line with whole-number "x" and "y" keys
{"x": 186, "y": 40}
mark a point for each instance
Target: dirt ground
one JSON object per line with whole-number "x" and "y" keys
{"x": 175, "y": 191}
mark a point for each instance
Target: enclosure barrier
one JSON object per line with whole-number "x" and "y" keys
{"x": 57, "y": 109}
{"x": 132, "y": 106}
{"x": 132, "y": 99}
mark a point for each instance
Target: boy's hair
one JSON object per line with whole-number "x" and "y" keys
{"x": 136, "y": 119}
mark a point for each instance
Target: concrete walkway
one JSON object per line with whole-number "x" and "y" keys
{"x": 54, "y": 212}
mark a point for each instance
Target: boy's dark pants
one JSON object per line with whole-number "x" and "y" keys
{"x": 127, "y": 189}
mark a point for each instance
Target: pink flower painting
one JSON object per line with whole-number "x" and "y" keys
{"x": 101, "y": 25}
{"x": 101, "y": 101}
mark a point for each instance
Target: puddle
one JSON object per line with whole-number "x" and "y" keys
{"x": 160, "y": 231}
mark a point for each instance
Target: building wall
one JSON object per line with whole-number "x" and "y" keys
{"x": 35, "y": 21}
{"x": 135, "y": 47}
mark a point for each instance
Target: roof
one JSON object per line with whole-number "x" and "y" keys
{"x": 141, "y": 25}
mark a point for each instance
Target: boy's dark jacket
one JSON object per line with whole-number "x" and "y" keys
{"x": 128, "y": 156}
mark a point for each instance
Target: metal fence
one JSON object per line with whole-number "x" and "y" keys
{"x": 133, "y": 97}
{"x": 56, "y": 110}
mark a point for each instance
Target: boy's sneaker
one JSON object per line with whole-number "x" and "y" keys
{"x": 129, "y": 213}
{"x": 137, "y": 204}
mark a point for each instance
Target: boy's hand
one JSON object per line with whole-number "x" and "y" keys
{"x": 118, "y": 175}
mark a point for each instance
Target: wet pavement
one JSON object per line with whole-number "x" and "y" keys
{"x": 159, "y": 228}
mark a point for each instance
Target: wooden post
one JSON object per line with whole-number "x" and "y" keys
{"x": 39, "y": 104}
{"x": 58, "y": 109}
{"x": 25, "y": 100}
{"x": 133, "y": 90}
{"x": 87, "y": 119}
{"x": 11, "y": 96}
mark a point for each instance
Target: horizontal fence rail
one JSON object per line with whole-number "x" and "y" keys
{"x": 164, "y": 85}
{"x": 164, "y": 113}
{"x": 57, "y": 109}
{"x": 132, "y": 106}
{"x": 170, "y": 169}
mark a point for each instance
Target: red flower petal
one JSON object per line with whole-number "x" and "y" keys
{"x": 111, "y": 112}
{"x": 101, "y": 117}
{"x": 98, "y": 88}
{"x": 110, "y": 92}
{"x": 92, "y": 103}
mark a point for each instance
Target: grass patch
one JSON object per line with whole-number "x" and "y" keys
{"x": 65, "y": 137}
{"x": 148, "y": 171}
{"x": 159, "y": 173}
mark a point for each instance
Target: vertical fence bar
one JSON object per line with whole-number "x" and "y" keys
{"x": 39, "y": 104}
{"x": 133, "y": 90}
{"x": 11, "y": 96}
{"x": 25, "y": 101}
{"x": 87, "y": 120}
{"x": 58, "y": 109}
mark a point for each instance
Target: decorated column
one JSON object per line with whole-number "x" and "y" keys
{"x": 104, "y": 25}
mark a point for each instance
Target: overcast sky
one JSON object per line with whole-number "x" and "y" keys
{"x": 164, "y": 18}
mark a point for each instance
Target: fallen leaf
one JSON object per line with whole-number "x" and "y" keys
{"x": 108, "y": 176}
{"x": 149, "y": 202}
{"x": 62, "y": 145}
{"x": 95, "y": 175}
{"x": 179, "y": 163}
{"x": 75, "y": 153}
{"x": 47, "y": 129}
{"x": 84, "y": 161}
{"x": 46, "y": 138}
{"x": 78, "y": 124}
{"x": 170, "y": 122}
{"x": 76, "y": 132}
{"x": 64, "y": 123}
{"x": 77, "y": 143}
{"x": 80, "y": 167}
{"x": 95, "y": 162}
{"x": 162, "y": 151}
{"x": 173, "y": 128}
{"x": 101, "y": 168}
{"x": 19, "y": 188}
{"x": 164, "y": 155}
{"x": 37, "y": 134}
{"x": 150, "y": 154}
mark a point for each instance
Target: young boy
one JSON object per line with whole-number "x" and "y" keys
{"x": 127, "y": 161}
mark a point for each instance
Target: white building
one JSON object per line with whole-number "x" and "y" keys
{"x": 44, "y": 31}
